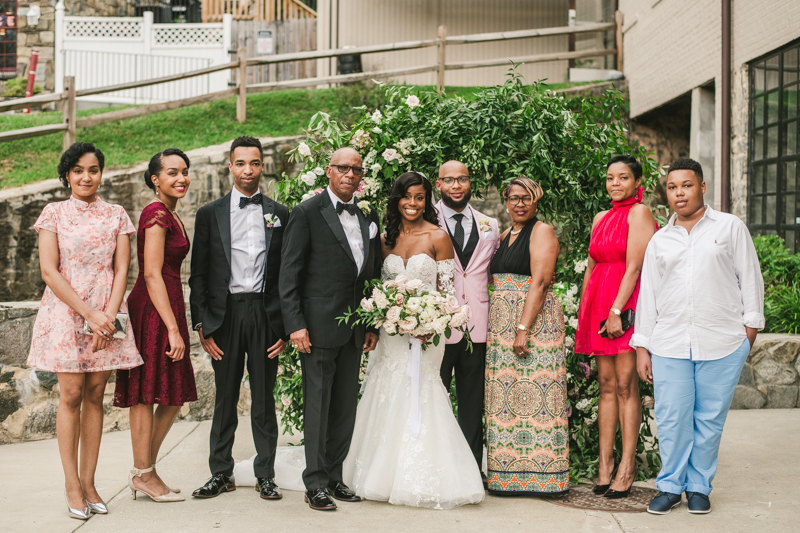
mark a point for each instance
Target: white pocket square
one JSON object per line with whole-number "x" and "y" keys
{"x": 373, "y": 230}
{"x": 277, "y": 223}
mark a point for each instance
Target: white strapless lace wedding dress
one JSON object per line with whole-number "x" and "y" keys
{"x": 387, "y": 462}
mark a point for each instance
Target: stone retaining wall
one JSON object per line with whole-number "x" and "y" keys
{"x": 770, "y": 376}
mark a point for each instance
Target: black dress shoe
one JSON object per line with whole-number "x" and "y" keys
{"x": 268, "y": 489}
{"x": 342, "y": 492}
{"x": 215, "y": 486}
{"x": 319, "y": 500}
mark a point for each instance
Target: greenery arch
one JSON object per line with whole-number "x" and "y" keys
{"x": 505, "y": 131}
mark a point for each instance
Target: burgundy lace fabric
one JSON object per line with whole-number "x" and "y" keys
{"x": 159, "y": 380}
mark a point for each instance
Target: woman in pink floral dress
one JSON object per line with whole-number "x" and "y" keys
{"x": 84, "y": 253}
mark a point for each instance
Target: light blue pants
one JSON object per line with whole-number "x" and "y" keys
{"x": 692, "y": 403}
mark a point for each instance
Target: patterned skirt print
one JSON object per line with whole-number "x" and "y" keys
{"x": 527, "y": 429}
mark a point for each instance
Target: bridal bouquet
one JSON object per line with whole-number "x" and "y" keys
{"x": 401, "y": 307}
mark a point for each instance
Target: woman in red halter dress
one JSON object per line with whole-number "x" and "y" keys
{"x": 610, "y": 287}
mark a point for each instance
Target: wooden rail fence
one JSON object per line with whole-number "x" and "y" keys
{"x": 71, "y": 122}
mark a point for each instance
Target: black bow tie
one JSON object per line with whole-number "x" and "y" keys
{"x": 350, "y": 208}
{"x": 244, "y": 201}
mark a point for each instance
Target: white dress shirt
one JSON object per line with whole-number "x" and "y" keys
{"x": 352, "y": 229}
{"x": 699, "y": 290}
{"x": 466, "y": 222}
{"x": 248, "y": 246}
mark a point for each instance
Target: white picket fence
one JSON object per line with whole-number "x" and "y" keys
{"x": 103, "y": 51}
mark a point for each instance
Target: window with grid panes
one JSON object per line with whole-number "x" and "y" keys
{"x": 8, "y": 38}
{"x": 774, "y": 199}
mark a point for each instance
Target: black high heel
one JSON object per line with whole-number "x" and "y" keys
{"x": 612, "y": 494}
{"x": 601, "y": 489}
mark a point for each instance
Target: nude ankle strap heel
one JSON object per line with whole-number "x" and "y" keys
{"x": 168, "y": 497}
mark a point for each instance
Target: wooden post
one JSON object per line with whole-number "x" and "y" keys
{"x": 241, "y": 101}
{"x": 70, "y": 118}
{"x": 440, "y": 45}
{"x": 619, "y": 20}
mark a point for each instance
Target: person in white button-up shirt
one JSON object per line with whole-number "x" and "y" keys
{"x": 701, "y": 303}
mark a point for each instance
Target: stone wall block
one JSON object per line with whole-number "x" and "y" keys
{"x": 747, "y": 377}
{"x": 745, "y": 397}
{"x": 15, "y": 339}
{"x": 773, "y": 373}
{"x": 781, "y": 396}
{"x": 786, "y": 351}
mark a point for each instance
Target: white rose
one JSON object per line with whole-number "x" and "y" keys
{"x": 458, "y": 320}
{"x": 440, "y": 324}
{"x": 414, "y": 305}
{"x": 390, "y": 327}
{"x": 393, "y": 314}
{"x": 380, "y": 299}
{"x": 568, "y": 341}
{"x": 412, "y": 101}
{"x": 580, "y": 266}
{"x": 308, "y": 178}
{"x": 573, "y": 323}
{"x": 319, "y": 171}
{"x": 308, "y": 195}
{"x": 389, "y": 283}
{"x": 376, "y": 117}
{"x": 414, "y": 284}
{"x": 407, "y": 325}
{"x": 376, "y": 167}
{"x": 304, "y": 150}
{"x": 401, "y": 281}
{"x": 451, "y": 305}
{"x": 467, "y": 311}
{"x": 366, "y": 305}
{"x": 377, "y": 130}
{"x": 390, "y": 154}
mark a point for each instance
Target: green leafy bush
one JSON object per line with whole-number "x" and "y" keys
{"x": 782, "y": 310}
{"x": 781, "y": 270}
{"x": 15, "y": 87}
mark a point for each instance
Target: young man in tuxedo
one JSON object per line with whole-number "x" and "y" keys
{"x": 475, "y": 239}
{"x": 330, "y": 250}
{"x": 236, "y": 260}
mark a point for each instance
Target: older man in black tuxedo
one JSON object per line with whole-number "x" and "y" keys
{"x": 330, "y": 249}
{"x": 236, "y": 260}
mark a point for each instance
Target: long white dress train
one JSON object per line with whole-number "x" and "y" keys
{"x": 387, "y": 462}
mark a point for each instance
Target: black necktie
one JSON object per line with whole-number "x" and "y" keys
{"x": 350, "y": 208}
{"x": 244, "y": 201}
{"x": 458, "y": 234}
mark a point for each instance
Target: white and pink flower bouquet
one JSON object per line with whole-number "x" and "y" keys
{"x": 400, "y": 307}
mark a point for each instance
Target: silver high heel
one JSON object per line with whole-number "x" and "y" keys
{"x": 168, "y": 497}
{"x": 97, "y": 508}
{"x": 80, "y": 514}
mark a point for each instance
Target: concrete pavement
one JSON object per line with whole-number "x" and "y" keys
{"x": 756, "y": 489}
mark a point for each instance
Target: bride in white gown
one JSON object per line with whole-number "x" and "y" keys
{"x": 429, "y": 465}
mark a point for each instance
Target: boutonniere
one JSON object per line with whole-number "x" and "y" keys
{"x": 272, "y": 221}
{"x": 364, "y": 206}
{"x": 484, "y": 224}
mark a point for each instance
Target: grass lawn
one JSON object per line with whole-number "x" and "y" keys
{"x": 127, "y": 142}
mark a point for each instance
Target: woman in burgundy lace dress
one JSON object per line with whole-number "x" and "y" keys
{"x": 158, "y": 318}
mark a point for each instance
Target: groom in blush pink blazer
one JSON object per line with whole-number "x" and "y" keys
{"x": 475, "y": 239}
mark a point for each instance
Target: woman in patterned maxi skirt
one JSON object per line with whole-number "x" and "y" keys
{"x": 527, "y": 428}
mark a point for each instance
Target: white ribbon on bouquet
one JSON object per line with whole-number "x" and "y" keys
{"x": 413, "y": 371}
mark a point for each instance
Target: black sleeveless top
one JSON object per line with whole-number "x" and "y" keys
{"x": 515, "y": 259}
